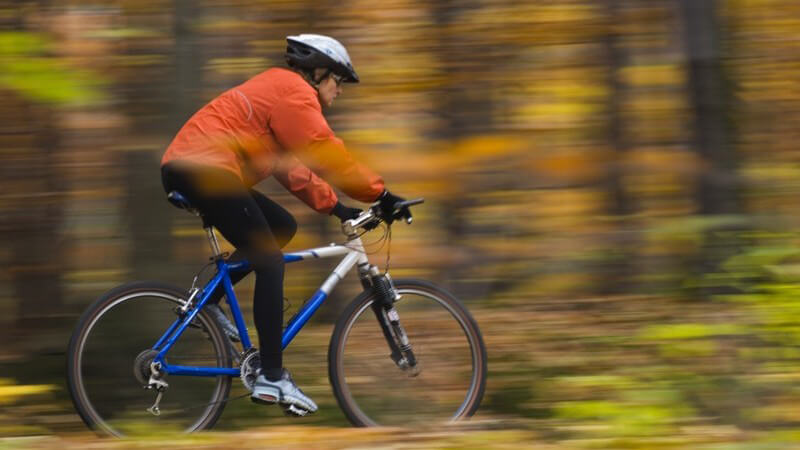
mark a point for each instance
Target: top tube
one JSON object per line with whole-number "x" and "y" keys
{"x": 238, "y": 266}
{"x": 314, "y": 253}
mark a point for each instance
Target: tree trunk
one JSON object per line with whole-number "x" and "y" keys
{"x": 621, "y": 268}
{"x": 710, "y": 95}
{"x": 710, "y": 99}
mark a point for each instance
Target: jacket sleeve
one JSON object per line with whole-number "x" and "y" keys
{"x": 298, "y": 125}
{"x": 305, "y": 185}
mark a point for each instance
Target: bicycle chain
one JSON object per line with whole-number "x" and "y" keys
{"x": 199, "y": 405}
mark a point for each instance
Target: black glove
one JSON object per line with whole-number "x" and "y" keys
{"x": 387, "y": 201}
{"x": 344, "y": 212}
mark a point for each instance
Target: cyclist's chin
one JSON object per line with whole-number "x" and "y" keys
{"x": 326, "y": 101}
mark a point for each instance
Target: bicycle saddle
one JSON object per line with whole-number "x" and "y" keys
{"x": 179, "y": 201}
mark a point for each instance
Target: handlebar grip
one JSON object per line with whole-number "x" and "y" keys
{"x": 403, "y": 206}
{"x": 412, "y": 202}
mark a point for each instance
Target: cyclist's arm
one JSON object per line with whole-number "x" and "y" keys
{"x": 299, "y": 126}
{"x": 305, "y": 185}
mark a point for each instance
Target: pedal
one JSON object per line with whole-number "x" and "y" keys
{"x": 294, "y": 411}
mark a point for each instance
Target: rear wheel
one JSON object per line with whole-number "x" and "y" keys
{"x": 109, "y": 356}
{"x": 446, "y": 385}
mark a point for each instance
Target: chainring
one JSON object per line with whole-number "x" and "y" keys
{"x": 141, "y": 366}
{"x": 249, "y": 367}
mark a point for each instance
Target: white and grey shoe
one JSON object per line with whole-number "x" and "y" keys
{"x": 284, "y": 392}
{"x": 227, "y": 326}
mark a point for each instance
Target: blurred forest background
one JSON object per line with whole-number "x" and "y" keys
{"x": 611, "y": 186}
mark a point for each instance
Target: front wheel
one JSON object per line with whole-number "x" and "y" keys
{"x": 448, "y": 379}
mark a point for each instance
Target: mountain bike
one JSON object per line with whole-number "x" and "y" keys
{"x": 146, "y": 354}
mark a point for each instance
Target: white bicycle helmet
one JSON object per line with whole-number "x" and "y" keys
{"x": 311, "y": 51}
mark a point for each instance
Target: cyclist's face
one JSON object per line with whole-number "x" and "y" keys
{"x": 329, "y": 89}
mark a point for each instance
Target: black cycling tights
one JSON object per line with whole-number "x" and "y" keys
{"x": 257, "y": 227}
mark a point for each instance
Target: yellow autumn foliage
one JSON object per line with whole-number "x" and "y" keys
{"x": 10, "y": 392}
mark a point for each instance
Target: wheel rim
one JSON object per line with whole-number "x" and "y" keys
{"x": 105, "y": 385}
{"x": 378, "y": 393}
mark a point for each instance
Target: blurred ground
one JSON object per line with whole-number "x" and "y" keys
{"x": 309, "y": 437}
{"x": 596, "y": 373}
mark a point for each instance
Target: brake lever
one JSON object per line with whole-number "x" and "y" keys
{"x": 371, "y": 225}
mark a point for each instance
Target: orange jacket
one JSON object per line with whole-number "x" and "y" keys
{"x": 272, "y": 124}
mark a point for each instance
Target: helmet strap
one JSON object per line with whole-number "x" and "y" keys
{"x": 324, "y": 75}
{"x": 308, "y": 75}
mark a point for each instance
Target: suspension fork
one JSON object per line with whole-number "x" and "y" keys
{"x": 389, "y": 320}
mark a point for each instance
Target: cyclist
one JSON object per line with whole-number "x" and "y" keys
{"x": 273, "y": 125}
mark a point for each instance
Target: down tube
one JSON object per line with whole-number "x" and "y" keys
{"x": 308, "y": 310}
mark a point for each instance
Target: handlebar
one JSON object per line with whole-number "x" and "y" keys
{"x": 412, "y": 202}
{"x": 373, "y": 215}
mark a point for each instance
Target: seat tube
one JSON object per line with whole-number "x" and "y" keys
{"x": 233, "y": 303}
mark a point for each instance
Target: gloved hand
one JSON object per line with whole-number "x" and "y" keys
{"x": 345, "y": 212}
{"x": 387, "y": 201}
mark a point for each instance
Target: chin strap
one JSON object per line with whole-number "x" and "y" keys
{"x": 309, "y": 77}
{"x": 324, "y": 75}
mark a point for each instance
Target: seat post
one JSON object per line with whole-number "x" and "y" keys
{"x": 212, "y": 239}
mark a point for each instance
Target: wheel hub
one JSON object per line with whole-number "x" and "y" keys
{"x": 141, "y": 366}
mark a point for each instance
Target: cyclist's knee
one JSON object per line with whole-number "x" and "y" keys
{"x": 266, "y": 262}
{"x": 286, "y": 232}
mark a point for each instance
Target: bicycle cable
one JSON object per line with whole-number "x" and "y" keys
{"x": 388, "y": 248}
{"x": 199, "y": 273}
{"x": 384, "y": 240}
{"x": 380, "y": 240}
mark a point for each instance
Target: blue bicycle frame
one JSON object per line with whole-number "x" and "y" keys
{"x": 353, "y": 253}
